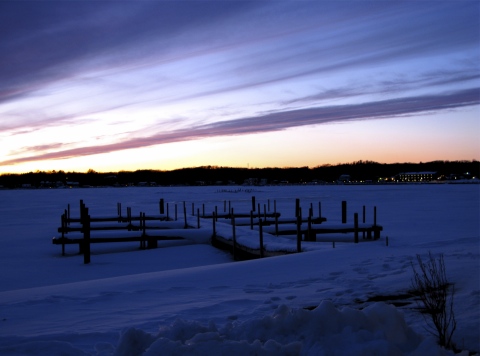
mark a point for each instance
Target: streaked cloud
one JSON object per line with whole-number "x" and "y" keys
{"x": 276, "y": 121}
{"x": 84, "y": 78}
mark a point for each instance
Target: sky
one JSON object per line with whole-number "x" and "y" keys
{"x": 127, "y": 85}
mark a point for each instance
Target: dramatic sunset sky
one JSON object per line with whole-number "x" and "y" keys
{"x": 128, "y": 85}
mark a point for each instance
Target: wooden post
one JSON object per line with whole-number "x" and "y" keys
{"x": 151, "y": 241}
{"x": 259, "y": 211}
{"x": 260, "y": 229}
{"x": 297, "y": 207}
{"x": 142, "y": 227}
{"x": 82, "y": 212}
{"x": 299, "y": 233}
{"x": 344, "y": 212}
{"x": 63, "y": 225}
{"x": 185, "y": 215}
{"x": 198, "y": 218}
{"x": 276, "y": 224}
{"x": 213, "y": 222}
{"x": 229, "y": 206}
{"x": 251, "y": 219}
{"x": 216, "y": 213}
{"x": 355, "y": 219}
{"x": 119, "y": 211}
{"x": 309, "y": 232}
{"x": 253, "y": 203}
{"x": 162, "y": 206}
{"x": 310, "y": 212}
{"x": 234, "y": 239}
{"x": 386, "y": 240}
{"x": 86, "y": 237}
{"x": 129, "y": 217}
{"x": 176, "y": 212}
{"x": 363, "y": 220}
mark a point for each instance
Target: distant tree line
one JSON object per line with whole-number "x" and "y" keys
{"x": 360, "y": 171}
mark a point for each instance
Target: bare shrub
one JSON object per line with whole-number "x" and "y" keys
{"x": 436, "y": 296}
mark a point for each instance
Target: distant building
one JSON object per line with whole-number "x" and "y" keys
{"x": 416, "y": 176}
{"x": 250, "y": 181}
{"x": 146, "y": 184}
{"x": 263, "y": 181}
{"x": 344, "y": 178}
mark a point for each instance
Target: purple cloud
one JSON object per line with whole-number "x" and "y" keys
{"x": 279, "y": 121}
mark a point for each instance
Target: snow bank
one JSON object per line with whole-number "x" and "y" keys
{"x": 326, "y": 330}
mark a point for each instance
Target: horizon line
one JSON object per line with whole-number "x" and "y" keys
{"x": 90, "y": 170}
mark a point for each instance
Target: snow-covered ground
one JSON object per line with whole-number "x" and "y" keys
{"x": 193, "y": 299}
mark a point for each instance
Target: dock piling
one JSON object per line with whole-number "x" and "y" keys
{"x": 86, "y": 236}
{"x": 309, "y": 231}
{"x": 119, "y": 211}
{"x": 129, "y": 217}
{"x": 344, "y": 212}
{"x": 355, "y": 221}
{"x": 260, "y": 229}
{"x": 185, "y": 214}
{"x": 213, "y": 224}
{"x": 234, "y": 238}
{"x": 299, "y": 234}
{"x": 63, "y": 225}
{"x": 162, "y": 206}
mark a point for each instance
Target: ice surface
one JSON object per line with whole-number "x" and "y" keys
{"x": 193, "y": 299}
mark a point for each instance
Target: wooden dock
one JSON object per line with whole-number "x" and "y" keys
{"x": 245, "y": 234}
